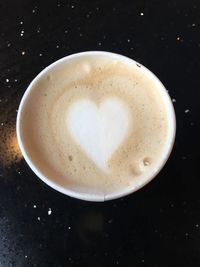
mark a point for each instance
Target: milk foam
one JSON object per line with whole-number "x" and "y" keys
{"x": 96, "y": 124}
{"x": 98, "y": 130}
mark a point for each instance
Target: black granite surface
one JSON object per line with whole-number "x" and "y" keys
{"x": 157, "y": 226}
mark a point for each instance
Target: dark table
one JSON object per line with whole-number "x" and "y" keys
{"x": 157, "y": 226}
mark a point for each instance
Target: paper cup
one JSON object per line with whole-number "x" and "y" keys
{"x": 94, "y": 194}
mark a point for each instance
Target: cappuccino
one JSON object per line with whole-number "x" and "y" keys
{"x": 96, "y": 124}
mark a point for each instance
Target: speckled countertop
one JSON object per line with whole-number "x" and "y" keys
{"x": 159, "y": 225}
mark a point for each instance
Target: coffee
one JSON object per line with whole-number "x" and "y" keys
{"x": 96, "y": 124}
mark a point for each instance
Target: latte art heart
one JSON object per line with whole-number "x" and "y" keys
{"x": 98, "y": 130}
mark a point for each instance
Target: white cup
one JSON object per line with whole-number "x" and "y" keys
{"x": 87, "y": 195}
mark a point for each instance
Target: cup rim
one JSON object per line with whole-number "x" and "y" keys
{"x": 88, "y": 196}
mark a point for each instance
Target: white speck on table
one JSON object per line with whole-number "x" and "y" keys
{"x": 49, "y": 211}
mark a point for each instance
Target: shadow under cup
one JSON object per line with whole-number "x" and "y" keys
{"x": 50, "y": 176}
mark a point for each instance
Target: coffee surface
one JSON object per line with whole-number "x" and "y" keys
{"x": 96, "y": 123}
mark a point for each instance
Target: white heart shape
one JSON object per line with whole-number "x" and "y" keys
{"x": 98, "y": 130}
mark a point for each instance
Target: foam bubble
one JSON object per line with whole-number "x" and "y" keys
{"x": 87, "y": 68}
{"x": 147, "y": 161}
